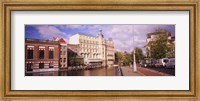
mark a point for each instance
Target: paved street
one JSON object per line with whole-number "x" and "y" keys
{"x": 151, "y": 72}
{"x": 170, "y": 71}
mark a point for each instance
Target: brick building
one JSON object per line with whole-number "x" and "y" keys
{"x": 41, "y": 55}
{"x": 63, "y": 52}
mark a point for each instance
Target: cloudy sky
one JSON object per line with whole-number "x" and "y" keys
{"x": 122, "y": 35}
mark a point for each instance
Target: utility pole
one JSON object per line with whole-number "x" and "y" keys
{"x": 134, "y": 62}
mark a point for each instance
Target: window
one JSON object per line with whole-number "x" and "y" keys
{"x": 51, "y": 65}
{"x": 50, "y": 54}
{"x": 30, "y": 54}
{"x": 41, "y": 54}
{"x": 41, "y": 65}
{"x": 60, "y": 59}
{"x": 64, "y": 59}
{"x": 63, "y": 47}
{"x": 29, "y": 66}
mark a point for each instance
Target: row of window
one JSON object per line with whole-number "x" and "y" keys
{"x": 89, "y": 46}
{"x": 63, "y": 53}
{"x": 64, "y": 60}
{"x": 88, "y": 41}
{"x": 89, "y": 50}
{"x": 41, "y": 66}
{"x": 63, "y": 47}
{"x": 41, "y": 54}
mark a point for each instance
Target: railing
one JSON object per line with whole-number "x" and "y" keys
{"x": 78, "y": 68}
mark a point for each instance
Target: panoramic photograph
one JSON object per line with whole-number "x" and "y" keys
{"x": 99, "y": 50}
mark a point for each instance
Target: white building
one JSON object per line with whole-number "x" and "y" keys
{"x": 94, "y": 49}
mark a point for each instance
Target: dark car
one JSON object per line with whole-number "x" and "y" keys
{"x": 143, "y": 64}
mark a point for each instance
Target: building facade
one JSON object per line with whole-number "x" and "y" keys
{"x": 41, "y": 55}
{"x": 63, "y": 52}
{"x": 94, "y": 49}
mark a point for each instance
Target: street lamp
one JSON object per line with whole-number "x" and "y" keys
{"x": 106, "y": 53}
{"x": 134, "y": 62}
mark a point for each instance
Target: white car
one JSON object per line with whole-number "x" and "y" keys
{"x": 161, "y": 62}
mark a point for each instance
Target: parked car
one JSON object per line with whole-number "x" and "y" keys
{"x": 170, "y": 63}
{"x": 161, "y": 62}
{"x": 143, "y": 64}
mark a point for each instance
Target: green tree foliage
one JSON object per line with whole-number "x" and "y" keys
{"x": 73, "y": 61}
{"x": 118, "y": 57}
{"x": 158, "y": 48}
{"x": 138, "y": 54}
{"x": 124, "y": 58}
{"x": 171, "y": 51}
{"x": 70, "y": 61}
{"x": 128, "y": 58}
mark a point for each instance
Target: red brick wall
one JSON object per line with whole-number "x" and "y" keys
{"x": 56, "y": 52}
{"x": 46, "y": 59}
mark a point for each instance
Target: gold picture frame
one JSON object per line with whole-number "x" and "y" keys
{"x": 123, "y": 5}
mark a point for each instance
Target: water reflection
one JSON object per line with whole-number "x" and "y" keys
{"x": 111, "y": 71}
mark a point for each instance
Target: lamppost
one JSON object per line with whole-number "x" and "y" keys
{"x": 134, "y": 62}
{"x": 106, "y": 62}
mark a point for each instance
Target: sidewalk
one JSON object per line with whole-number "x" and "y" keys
{"x": 127, "y": 71}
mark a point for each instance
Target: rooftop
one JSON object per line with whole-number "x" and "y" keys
{"x": 40, "y": 41}
{"x": 87, "y": 35}
{"x": 61, "y": 40}
{"x": 157, "y": 33}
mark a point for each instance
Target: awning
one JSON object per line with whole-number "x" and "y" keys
{"x": 94, "y": 60}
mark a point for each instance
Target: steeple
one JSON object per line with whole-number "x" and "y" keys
{"x": 100, "y": 33}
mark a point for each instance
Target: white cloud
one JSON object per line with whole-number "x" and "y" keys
{"x": 122, "y": 35}
{"x": 48, "y": 32}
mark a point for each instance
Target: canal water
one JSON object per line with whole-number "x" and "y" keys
{"x": 110, "y": 71}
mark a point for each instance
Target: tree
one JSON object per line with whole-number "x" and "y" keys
{"x": 74, "y": 61}
{"x": 70, "y": 61}
{"x": 125, "y": 57}
{"x": 128, "y": 58}
{"x": 171, "y": 51}
{"x": 158, "y": 48}
{"x": 118, "y": 57}
{"x": 138, "y": 54}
